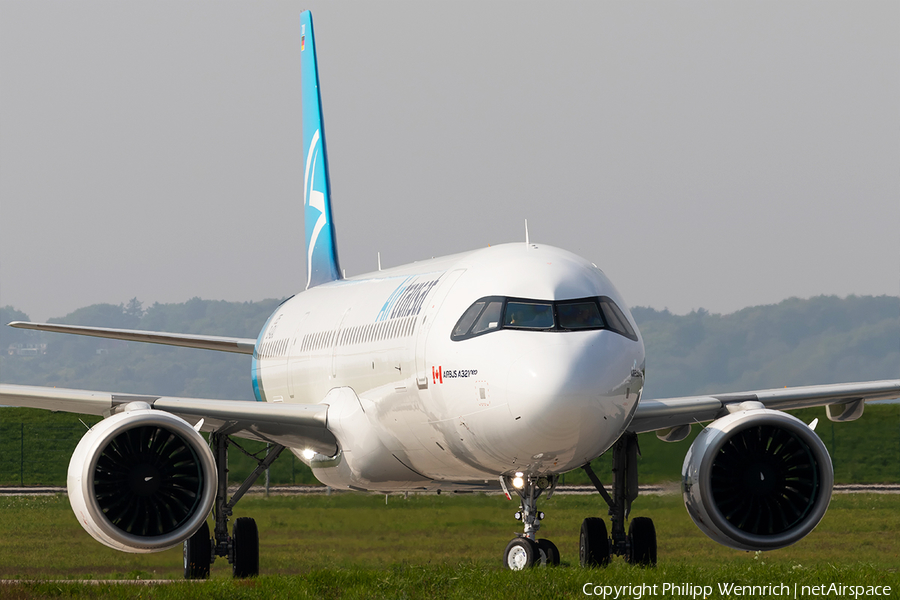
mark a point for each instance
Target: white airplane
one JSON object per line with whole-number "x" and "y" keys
{"x": 507, "y": 365}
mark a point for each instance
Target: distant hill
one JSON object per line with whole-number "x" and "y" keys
{"x": 796, "y": 342}
{"x": 117, "y": 366}
{"x": 825, "y": 339}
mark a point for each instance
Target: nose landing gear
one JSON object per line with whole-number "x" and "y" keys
{"x": 637, "y": 546}
{"x": 526, "y": 550}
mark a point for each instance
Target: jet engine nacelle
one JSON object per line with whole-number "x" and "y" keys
{"x": 757, "y": 479}
{"x": 142, "y": 480}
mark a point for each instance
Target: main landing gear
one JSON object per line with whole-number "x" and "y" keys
{"x": 638, "y": 546}
{"x": 242, "y": 546}
{"x": 526, "y": 551}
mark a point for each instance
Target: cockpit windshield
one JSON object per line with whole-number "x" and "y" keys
{"x": 528, "y": 315}
{"x": 579, "y": 315}
{"x": 497, "y": 312}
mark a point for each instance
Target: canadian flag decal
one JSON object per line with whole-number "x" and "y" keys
{"x": 436, "y": 375}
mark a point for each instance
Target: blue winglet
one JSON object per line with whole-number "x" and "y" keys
{"x": 321, "y": 247}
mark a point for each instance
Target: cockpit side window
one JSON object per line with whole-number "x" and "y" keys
{"x": 465, "y": 322}
{"x": 496, "y": 312}
{"x": 616, "y": 319}
{"x": 490, "y": 317}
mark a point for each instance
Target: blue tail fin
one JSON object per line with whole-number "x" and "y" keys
{"x": 321, "y": 246}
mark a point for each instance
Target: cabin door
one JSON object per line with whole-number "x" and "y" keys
{"x": 425, "y": 321}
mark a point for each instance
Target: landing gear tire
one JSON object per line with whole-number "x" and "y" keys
{"x": 548, "y": 553}
{"x": 642, "y": 538}
{"x": 594, "y": 543}
{"x": 198, "y": 554}
{"x": 520, "y": 554}
{"x": 245, "y": 540}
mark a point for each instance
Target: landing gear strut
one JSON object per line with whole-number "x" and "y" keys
{"x": 526, "y": 550}
{"x": 242, "y": 547}
{"x": 638, "y": 546}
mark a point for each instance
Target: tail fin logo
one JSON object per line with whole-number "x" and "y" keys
{"x": 315, "y": 199}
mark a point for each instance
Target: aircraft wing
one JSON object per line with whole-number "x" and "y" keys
{"x": 292, "y": 425}
{"x": 845, "y": 402}
{"x": 206, "y": 342}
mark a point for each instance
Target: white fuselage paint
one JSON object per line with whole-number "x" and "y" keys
{"x": 412, "y": 409}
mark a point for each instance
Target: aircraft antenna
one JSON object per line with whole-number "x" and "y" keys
{"x": 526, "y": 232}
{"x": 379, "y": 261}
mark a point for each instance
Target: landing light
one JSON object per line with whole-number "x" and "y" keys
{"x": 308, "y": 454}
{"x": 518, "y": 481}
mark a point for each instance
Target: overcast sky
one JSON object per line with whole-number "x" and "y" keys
{"x": 715, "y": 155}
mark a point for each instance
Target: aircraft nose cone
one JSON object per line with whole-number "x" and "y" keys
{"x": 574, "y": 395}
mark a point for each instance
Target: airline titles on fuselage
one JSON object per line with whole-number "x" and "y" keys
{"x": 395, "y": 319}
{"x": 407, "y": 299}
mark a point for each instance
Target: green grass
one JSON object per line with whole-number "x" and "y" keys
{"x": 466, "y": 581}
{"x": 35, "y": 446}
{"x": 356, "y": 546}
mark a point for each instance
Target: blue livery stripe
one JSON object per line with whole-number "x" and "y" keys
{"x": 258, "y": 391}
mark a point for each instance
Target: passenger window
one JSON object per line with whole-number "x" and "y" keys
{"x": 579, "y": 315}
{"x": 528, "y": 315}
{"x": 490, "y": 318}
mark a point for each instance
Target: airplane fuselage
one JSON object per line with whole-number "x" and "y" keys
{"x": 415, "y": 401}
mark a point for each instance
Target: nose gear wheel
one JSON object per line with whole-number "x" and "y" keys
{"x": 526, "y": 551}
